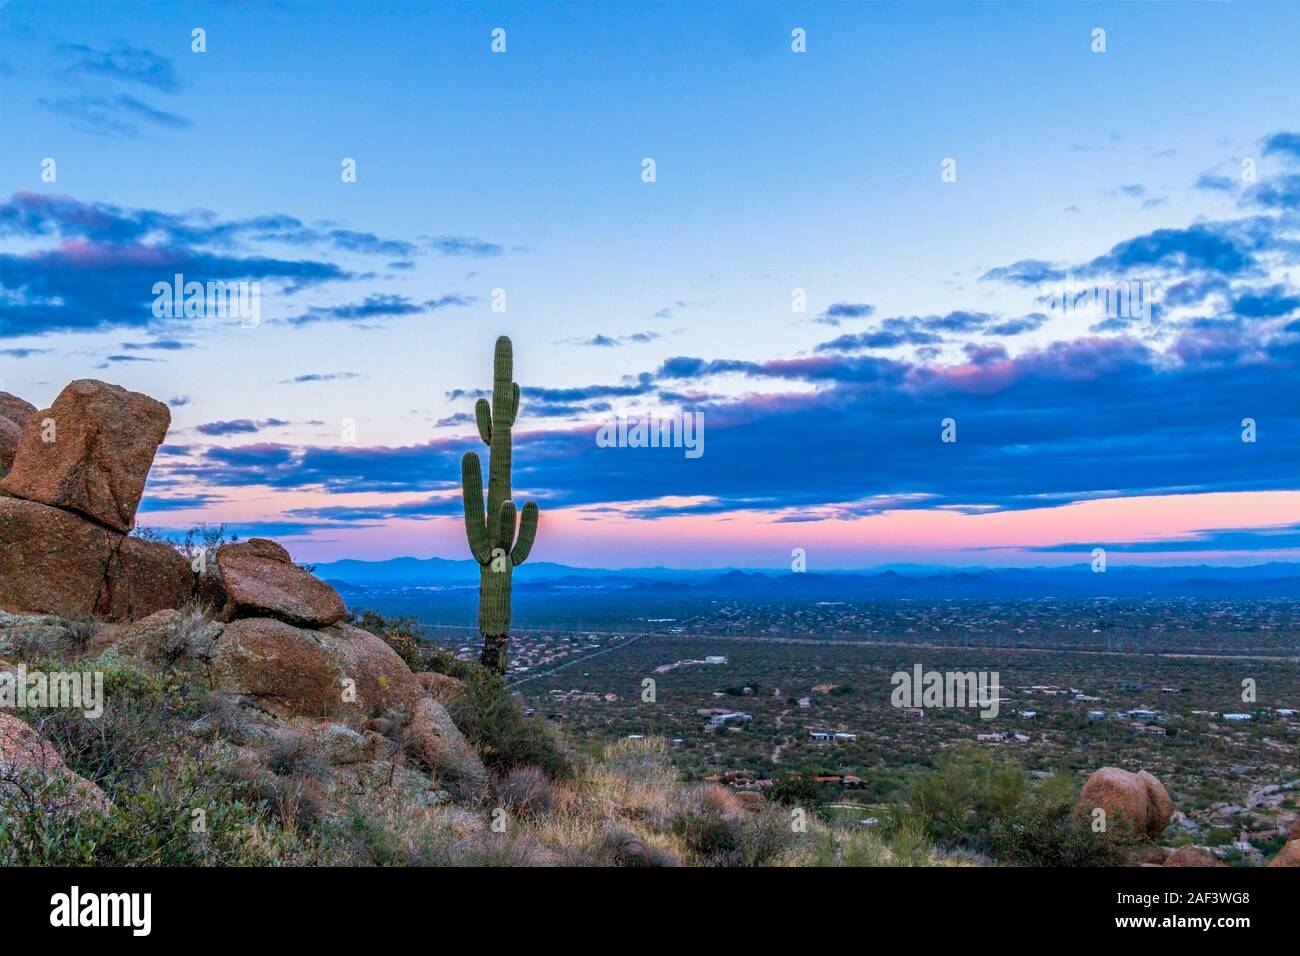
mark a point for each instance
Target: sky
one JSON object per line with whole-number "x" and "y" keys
{"x": 840, "y": 251}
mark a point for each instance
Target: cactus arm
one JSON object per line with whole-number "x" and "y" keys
{"x": 527, "y": 532}
{"x": 503, "y": 528}
{"x": 483, "y": 414}
{"x": 514, "y": 404}
{"x": 471, "y": 480}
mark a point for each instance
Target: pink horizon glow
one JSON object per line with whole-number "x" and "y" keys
{"x": 758, "y": 539}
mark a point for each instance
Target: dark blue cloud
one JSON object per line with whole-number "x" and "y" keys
{"x": 464, "y": 246}
{"x": 1269, "y": 303}
{"x": 378, "y": 306}
{"x": 1285, "y": 144}
{"x": 1090, "y": 418}
{"x": 239, "y": 426}
{"x": 119, "y": 115}
{"x": 124, "y": 63}
{"x": 319, "y": 377}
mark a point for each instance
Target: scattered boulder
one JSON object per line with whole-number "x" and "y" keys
{"x": 22, "y": 751}
{"x": 434, "y": 742}
{"x": 294, "y": 671}
{"x": 342, "y": 745}
{"x": 54, "y": 562}
{"x": 163, "y": 638}
{"x": 1193, "y": 856}
{"x": 438, "y": 686}
{"x": 261, "y": 580}
{"x": 38, "y": 633}
{"x": 104, "y": 440}
{"x": 14, "y": 413}
{"x": 1137, "y": 805}
{"x": 1289, "y": 855}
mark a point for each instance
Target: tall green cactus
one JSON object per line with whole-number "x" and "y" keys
{"x": 492, "y": 538}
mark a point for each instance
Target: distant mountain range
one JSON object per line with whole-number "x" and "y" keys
{"x": 914, "y": 582}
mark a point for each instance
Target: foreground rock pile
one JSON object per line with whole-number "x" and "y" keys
{"x": 68, "y": 501}
{"x": 263, "y": 630}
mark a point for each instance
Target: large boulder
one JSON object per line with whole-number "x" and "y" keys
{"x": 24, "y": 754}
{"x": 1192, "y": 856}
{"x": 1289, "y": 855}
{"x": 104, "y": 440}
{"x": 161, "y": 639}
{"x": 261, "y": 580}
{"x": 1137, "y": 806}
{"x": 14, "y": 413}
{"x": 437, "y": 745}
{"x": 55, "y": 562}
{"x": 333, "y": 672}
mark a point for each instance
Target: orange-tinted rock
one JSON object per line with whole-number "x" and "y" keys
{"x": 1160, "y": 806}
{"x": 55, "y": 562}
{"x": 261, "y": 580}
{"x": 293, "y": 671}
{"x": 163, "y": 638}
{"x": 1136, "y": 805}
{"x": 434, "y": 742}
{"x": 1193, "y": 856}
{"x": 1289, "y": 855}
{"x": 22, "y": 751}
{"x": 104, "y": 440}
{"x": 14, "y": 413}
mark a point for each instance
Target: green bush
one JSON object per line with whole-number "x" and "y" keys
{"x": 984, "y": 802}
{"x": 491, "y": 720}
{"x": 399, "y": 633}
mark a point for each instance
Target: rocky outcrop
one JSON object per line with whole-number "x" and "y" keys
{"x": 90, "y": 452}
{"x": 1289, "y": 855}
{"x": 261, "y": 580}
{"x": 69, "y": 500}
{"x": 433, "y": 741}
{"x": 1192, "y": 856}
{"x": 293, "y": 671}
{"x": 1136, "y": 805}
{"x": 55, "y": 562}
{"x": 160, "y": 639}
{"x": 24, "y": 755}
{"x": 14, "y": 413}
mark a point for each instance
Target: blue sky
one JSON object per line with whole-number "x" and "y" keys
{"x": 775, "y": 171}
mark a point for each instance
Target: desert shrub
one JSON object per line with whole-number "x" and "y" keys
{"x": 143, "y": 720}
{"x": 723, "y": 835}
{"x": 526, "y": 790}
{"x": 1042, "y": 830}
{"x": 79, "y": 632}
{"x": 491, "y": 720}
{"x": 153, "y": 824}
{"x": 619, "y": 845}
{"x": 293, "y": 754}
{"x": 968, "y": 788}
{"x": 795, "y": 787}
{"x": 399, "y": 633}
{"x": 982, "y": 802}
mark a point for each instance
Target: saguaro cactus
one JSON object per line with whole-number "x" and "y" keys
{"x": 492, "y": 538}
